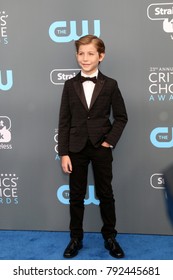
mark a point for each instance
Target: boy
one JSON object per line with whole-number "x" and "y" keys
{"x": 86, "y": 135}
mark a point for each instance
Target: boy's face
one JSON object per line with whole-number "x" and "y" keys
{"x": 88, "y": 58}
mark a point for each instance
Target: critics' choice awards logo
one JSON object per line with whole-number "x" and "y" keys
{"x": 64, "y": 32}
{"x": 160, "y": 84}
{"x": 59, "y": 76}
{"x": 162, "y": 12}
{"x": 162, "y": 137}
{"x": 157, "y": 181}
{"x": 56, "y": 144}
{"x": 6, "y": 80}
{"x": 8, "y": 189}
{"x": 5, "y": 133}
{"x": 63, "y": 195}
{"x": 3, "y": 28}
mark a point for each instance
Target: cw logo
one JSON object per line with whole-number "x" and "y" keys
{"x": 59, "y": 34}
{"x": 63, "y": 195}
{"x": 9, "y": 81}
{"x": 159, "y": 137}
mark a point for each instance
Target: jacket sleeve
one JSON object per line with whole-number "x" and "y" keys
{"x": 64, "y": 123}
{"x": 120, "y": 117}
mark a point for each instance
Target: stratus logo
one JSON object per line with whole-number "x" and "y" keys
{"x": 59, "y": 76}
{"x": 157, "y": 181}
{"x": 163, "y": 12}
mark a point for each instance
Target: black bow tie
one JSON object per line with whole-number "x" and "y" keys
{"x": 84, "y": 79}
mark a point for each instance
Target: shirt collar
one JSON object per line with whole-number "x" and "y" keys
{"x": 95, "y": 74}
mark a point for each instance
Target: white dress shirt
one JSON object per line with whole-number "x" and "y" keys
{"x": 88, "y": 87}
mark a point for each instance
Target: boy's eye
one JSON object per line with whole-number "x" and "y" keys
{"x": 83, "y": 53}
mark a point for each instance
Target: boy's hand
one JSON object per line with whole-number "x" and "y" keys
{"x": 106, "y": 145}
{"x": 66, "y": 164}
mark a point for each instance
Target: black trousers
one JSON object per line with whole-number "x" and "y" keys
{"x": 101, "y": 159}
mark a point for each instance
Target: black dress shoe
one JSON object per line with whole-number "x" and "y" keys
{"x": 73, "y": 247}
{"x": 114, "y": 248}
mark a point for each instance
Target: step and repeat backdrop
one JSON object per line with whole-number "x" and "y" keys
{"x": 37, "y": 55}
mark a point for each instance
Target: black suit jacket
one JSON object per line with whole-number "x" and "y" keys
{"x": 78, "y": 123}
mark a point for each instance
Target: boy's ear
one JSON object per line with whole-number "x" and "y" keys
{"x": 101, "y": 57}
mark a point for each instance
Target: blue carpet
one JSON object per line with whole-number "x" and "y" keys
{"x": 43, "y": 245}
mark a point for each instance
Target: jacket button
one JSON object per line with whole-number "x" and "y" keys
{"x": 88, "y": 118}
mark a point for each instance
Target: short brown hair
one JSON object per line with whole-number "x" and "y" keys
{"x": 87, "y": 39}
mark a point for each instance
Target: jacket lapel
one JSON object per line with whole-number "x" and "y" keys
{"x": 79, "y": 90}
{"x": 98, "y": 87}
